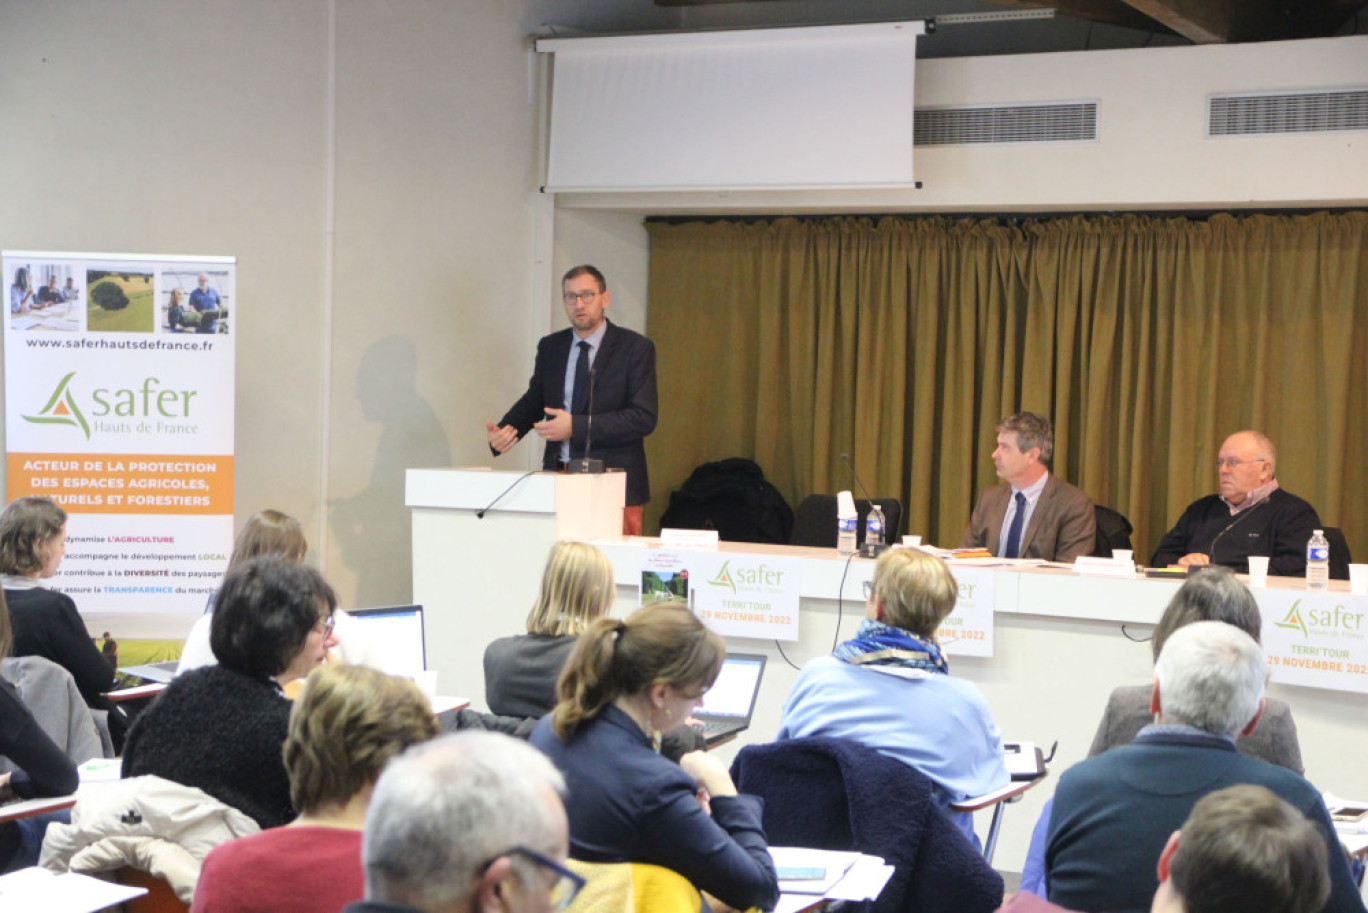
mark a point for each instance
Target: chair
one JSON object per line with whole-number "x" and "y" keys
{"x": 1113, "y": 531}
{"x": 1340, "y": 559}
{"x": 836, "y": 794}
{"x": 160, "y": 896}
{"x": 815, "y": 522}
{"x": 632, "y": 887}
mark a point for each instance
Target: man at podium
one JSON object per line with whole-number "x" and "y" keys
{"x": 592, "y": 393}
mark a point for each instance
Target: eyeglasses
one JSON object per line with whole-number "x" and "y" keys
{"x": 572, "y": 297}
{"x": 563, "y": 890}
{"x": 1232, "y": 463}
{"x": 328, "y": 624}
{"x": 868, "y": 588}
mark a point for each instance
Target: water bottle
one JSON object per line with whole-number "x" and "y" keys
{"x": 874, "y": 532}
{"x": 845, "y": 534}
{"x": 1317, "y": 561}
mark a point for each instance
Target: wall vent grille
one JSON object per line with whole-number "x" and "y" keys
{"x": 1063, "y": 122}
{"x": 1291, "y": 112}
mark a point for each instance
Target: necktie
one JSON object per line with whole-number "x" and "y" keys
{"x": 580, "y": 396}
{"x": 1014, "y": 534}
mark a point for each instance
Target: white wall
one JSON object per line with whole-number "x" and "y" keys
{"x": 1152, "y": 151}
{"x": 369, "y": 341}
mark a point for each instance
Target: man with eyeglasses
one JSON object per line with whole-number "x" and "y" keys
{"x": 470, "y": 822}
{"x": 1251, "y": 515}
{"x": 592, "y": 393}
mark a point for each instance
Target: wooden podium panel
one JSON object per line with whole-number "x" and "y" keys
{"x": 477, "y": 578}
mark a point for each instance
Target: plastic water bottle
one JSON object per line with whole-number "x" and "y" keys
{"x": 1317, "y": 561}
{"x": 874, "y": 532}
{"x": 845, "y": 534}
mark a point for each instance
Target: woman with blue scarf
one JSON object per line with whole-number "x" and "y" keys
{"x": 889, "y": 687}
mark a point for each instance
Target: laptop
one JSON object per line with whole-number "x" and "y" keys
{"x": 162, "y": 673}
{"x": 393, "y": 638}
{"x": 729, "y": 703}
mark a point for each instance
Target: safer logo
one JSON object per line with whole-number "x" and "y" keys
{"x": 61, "y": 409}
{"x": 724, "y": 577}
{"x": 1293, "y": 620}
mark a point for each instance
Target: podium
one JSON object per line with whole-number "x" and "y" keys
{"x": 478, "y": 578}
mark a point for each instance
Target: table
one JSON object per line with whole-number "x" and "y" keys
{"x": 1062, "y": 643}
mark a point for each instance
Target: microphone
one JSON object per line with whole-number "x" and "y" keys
{"x": 584, "y": 464}
{"x": 1211, "y": 553}
{"x": 871, "y": 549}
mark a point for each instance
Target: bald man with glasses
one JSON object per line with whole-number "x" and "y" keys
{"x": 1251, "y": 515}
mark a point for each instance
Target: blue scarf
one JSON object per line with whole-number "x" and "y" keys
{"x": 878, "y": 644}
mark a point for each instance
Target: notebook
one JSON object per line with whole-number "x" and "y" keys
{"x": 392, "y": 637}
{"x": 729, "y": 703}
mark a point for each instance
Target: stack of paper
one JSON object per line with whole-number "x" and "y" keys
{"x": 817, "y": 875}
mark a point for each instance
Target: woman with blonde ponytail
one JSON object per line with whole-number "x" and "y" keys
{"x": 624, "y": 683}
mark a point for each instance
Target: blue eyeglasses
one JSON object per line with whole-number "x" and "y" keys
{"x": 563, "y": 890}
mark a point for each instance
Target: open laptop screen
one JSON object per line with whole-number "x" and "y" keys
{"x": 732, "y": 696}
{"x": 393, "y": 637}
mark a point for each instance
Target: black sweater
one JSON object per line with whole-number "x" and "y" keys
{"x": 220, "y": 731}
{"x": 1279, "y": 527}
{"x": 44, "y": 770}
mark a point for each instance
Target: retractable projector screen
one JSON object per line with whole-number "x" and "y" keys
{"x": 820, "y": 107}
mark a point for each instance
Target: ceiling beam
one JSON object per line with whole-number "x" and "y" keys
{"x": 1111, "y": 12}
{"x": 1199, "y": 21}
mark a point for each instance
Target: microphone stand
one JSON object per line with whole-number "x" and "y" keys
{"x": 584, "y": 464}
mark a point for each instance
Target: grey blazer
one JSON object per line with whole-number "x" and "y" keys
{"x": 1128, "y": 711}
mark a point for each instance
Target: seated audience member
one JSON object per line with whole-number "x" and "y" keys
{"x": 221, "y": 728}
{"x": 521, "y": 671}
{"x": 269, "y": 533}
{"x": 889, "y": 688}
{"x": 1242, "y": 849}
{"x": 1034, "y": 514}
{"x": 45, "y": 622}
{"x": 42, "y": 769}
{"x": 1213, "y": 595}
{"x": 468, "y": 822}
{"x": 624, "y": 682}
{"x": 1250, "y": 516}
{"x": 349, "y": 721}
{"x": 1113, "y": 813}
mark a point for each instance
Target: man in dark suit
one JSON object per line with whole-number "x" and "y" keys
{"x": 1035, "y": 514}
{"x": 593, "y": 356}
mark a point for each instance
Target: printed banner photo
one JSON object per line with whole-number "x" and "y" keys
{"x": 1315, "y": 639}
{"x": 968, "y": 631}
{"x": 119, "y": 406}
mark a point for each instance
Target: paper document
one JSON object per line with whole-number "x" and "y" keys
{"x": 832, "y": 864}
{"x": 39, "y": 889}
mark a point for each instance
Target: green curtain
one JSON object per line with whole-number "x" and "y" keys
{"x": 903, "y": 340}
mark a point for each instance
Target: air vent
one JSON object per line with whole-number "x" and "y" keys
{"x": 1069, "y": 122}
{"x": 1299, "y": 112}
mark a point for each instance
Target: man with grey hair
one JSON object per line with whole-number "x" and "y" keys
{"x": 1250, "y": 515}
{"x": 1114, "y": 813}
{"x": 1034, "y": 513}
{"x": 469, "y": 823}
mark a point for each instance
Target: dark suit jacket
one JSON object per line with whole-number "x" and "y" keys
{"x": 1063, "y": 525}
{"x": 624, "y": 403}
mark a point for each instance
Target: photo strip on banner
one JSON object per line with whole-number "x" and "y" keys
{"x": 119, "y": 406}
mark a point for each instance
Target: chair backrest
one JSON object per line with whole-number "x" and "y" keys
{"x": 1340, "y": 559}
{"x": 632, "y": 887}
{"x": 160, "y": 897}
{"x": 840, "y": 795}
{"x": 1113, "y": 531}
{"x": 815, "y": 522}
